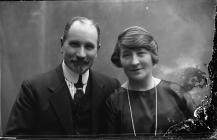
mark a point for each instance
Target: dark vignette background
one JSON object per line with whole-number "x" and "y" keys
{"x": 30, "y": 39}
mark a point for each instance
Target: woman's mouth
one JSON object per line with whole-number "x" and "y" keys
{"x": 136, "y": 69}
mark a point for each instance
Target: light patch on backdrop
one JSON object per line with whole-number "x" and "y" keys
{"x": 187, "y": 47}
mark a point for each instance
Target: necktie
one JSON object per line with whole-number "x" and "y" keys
{"x": 79, "y": 89}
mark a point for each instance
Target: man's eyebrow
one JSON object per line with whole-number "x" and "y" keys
{"x": 74, "y": 41}
{"x": 89, "y": 43}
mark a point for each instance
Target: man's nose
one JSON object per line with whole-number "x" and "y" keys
{"x": 81, "y": 52}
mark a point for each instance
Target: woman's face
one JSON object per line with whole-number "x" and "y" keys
{"x": 136, "y": 62}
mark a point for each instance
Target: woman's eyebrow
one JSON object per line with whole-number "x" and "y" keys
{"x": 136, "y": 48}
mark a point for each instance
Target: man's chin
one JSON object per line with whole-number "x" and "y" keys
{"x": 81, "y": 70}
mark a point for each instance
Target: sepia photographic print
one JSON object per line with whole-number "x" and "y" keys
{"x": 33, "y": 40}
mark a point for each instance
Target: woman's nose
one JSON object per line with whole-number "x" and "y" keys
{"x": 134, "y": 60}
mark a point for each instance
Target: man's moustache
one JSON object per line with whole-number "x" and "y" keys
{"x": 79, "y": 61}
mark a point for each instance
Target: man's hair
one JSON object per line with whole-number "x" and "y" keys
{"x": 82, "y": 20}
{"x": 132, "y": 38}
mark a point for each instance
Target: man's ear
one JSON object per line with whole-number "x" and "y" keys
{"x": 99, "y": 46}
{"x": 61, "y": 41}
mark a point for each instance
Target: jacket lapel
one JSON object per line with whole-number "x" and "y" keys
{"x": 60, "y": 100}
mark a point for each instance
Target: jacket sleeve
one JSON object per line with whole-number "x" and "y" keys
{"x": 112, "y": 118}
{"x": 117, "y": 84}
{"x": 22, "y": 115}
{"x": 114, "y": 84}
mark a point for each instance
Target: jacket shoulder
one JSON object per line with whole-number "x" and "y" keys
{"x": 42, "y": 76}
{"x": 43, "y": 79}
{"x": 42, "y": 84}
{"x": 107, "y": 80}
{"x": 101, "y": 75}
{"x": 118, "y": 94}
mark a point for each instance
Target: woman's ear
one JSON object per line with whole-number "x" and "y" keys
{"x": 154, "y": 65}
{"x": 61, "y": 41}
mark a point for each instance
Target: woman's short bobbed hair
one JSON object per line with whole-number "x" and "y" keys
{"x": 135, "y": 37}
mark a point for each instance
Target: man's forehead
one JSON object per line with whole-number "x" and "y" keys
{"x": 83, "y": 31}
{"x": 83, "y": 24}
{"x": 85, "y": 21}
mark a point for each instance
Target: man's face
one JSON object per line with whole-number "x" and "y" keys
{"x": 80, "y": 47}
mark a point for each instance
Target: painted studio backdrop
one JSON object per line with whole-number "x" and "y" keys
{"x": 30, "y": 39}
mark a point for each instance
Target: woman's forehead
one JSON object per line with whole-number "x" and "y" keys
{"x": 138, "y": 48}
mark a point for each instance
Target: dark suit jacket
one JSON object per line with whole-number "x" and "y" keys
{"x": 43, "y": 106}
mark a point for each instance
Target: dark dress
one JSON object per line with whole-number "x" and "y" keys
{"x": 171, "y": 103}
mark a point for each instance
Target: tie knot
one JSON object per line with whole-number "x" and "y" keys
{"x": 79, "y": 84}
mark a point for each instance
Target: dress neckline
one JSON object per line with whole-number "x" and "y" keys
{"x": 142, "y": 91}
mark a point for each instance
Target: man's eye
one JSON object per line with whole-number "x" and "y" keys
{"x": 74, "y": 44}
{"x": 89, "y": 46}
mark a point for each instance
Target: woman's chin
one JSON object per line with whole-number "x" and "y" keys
{"x": 137, "y": 77}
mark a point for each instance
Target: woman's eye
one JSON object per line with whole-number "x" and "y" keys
{"x": 125, "y": 55}
{"x": 142, "y": 53}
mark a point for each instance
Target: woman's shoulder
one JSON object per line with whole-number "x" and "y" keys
{"x": 176, "y": 90}
{"x": 173, "y": 86}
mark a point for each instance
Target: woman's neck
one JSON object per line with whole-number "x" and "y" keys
{"x": 142, "y": 85}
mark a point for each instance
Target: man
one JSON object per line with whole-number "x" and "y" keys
{"x": 69, "y": 99}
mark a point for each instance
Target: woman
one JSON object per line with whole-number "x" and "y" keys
{"x": 132, "y": 108}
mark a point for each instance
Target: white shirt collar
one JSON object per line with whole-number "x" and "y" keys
{"x": 72, "y": 76}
